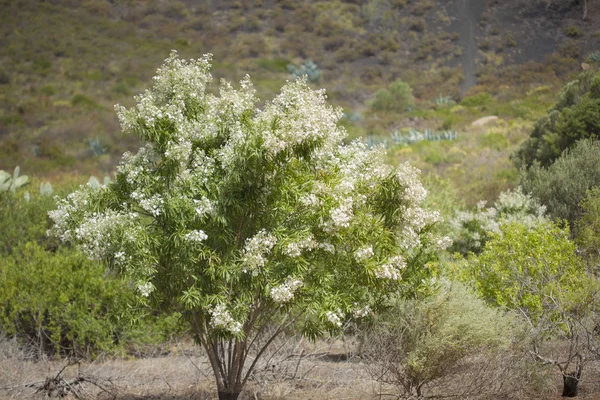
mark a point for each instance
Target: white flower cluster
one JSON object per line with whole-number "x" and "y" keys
{"x": 98, "y": 231}
{"x": 255, "y": 250}
{"x": 222, "y": 319}
{"x": 153, "y": 205}
{"x": 136, "y": 166}
{"x": 335, "y": 318}
{"x": 328, "y": 247}
{"x": 203, "y": 207}
{"x": 364, "y": 253}
{"x": 303, "y": 116}
{"x": 408, "y": 176}
{"x": 196, "y": 236}
{"x": 341, "y": 216}
{"x": 145, "y": 288}
{"x": 310, "y": 200}
{"x": 471, "y": 229}
{"x": 74, "y": 203}
{"x": 361, "y": 312}
{"x": 169, "y": 94}
{"x": 391, "y": 270}
{"x": 295, "y": 249}
{"x": 387, "y": 271}
{"x": 285, "y": 292}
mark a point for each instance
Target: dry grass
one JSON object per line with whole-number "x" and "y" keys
{"x": 301, "y": 371}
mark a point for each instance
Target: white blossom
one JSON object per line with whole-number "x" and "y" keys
{"x": 335, "y": 318}
{"x": 203, "y": 206}
{"x": 387, "y": 271}
{"x": 361, "y": 312}
{"x": 363, "y": 253}
{"x": 256, "y": 250}
{"x": 222, "y": 319}
{"x": 285, "y": 292}
{"x": 145, "y": 288}
{"x": 295, "y": 249}
{"x": 196, "y": 236}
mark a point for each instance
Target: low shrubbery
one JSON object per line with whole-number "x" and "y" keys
{"x": 57, "y": 301}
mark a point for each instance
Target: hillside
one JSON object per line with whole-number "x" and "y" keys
{"x": 65, "y": 63}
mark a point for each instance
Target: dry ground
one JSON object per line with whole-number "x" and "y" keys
{"x": 185, "y": 374}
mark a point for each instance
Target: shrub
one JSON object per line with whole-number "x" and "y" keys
{"x": 587, "y": 228}
{"x": 246, "y": 218}
{"x": 470, "y": 230}
{"x": 572, "y": 118}
{"x": 61, "y": 302}
{"x": 477, "y": 100}
{"x": 419, "y": 343}
{"x": 562, "y": 185}
{"x": 397, "y": 98}
{"x": 537, "y": 272}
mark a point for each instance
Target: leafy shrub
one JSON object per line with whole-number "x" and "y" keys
{"x": 397, "y": 98}
{"x": 537, "y": 272}
{"x": 562, "y": 185}
{"x": 573, "y": 31}
{"x": 24, "y": 221}
{"x": 58, "y": 300}
{"x": 472, "y": 229}
{"x": 61, "y": 302}
{"x": 587, "y": 228}
{"x": 478, "y": 100}
{"x": 572, "y": 118}
{"x": 420, "y": 342}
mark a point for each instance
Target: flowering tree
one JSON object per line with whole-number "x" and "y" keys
{"x": 246, "y": 219}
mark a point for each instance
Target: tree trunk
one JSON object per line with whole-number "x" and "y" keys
{"x": 571, "y": 382}
{"x": 228, "y": 395}
{"x": 570, "y": 386}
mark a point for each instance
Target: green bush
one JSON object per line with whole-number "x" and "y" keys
{"x": 478, "y": 100}
{"x": 61, "y": 302}
{"x": 24, "y": 221}
{"x": 420, "y": 342}
{"x": 587, "y": 228}
{"x": 562, "y": 185}
{"x": 573, "y": 117}
{"x": 397, "y": 98}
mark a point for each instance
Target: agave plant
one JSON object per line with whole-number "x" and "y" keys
{"x": 12, "y": 183}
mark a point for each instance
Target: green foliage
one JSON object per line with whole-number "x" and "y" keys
{"x": 562, "y": 185}
{"x": 420, "y": 341}
{"x": 587, "y": 228}
{"x": 61, "y": 302}
{"x": 398, "y": 97}
{"x": 480, "y": 100}
{"x": 24, "y": 221}
{"x": 526, "y": 269}
{"x": 573, "y": 31}
{"x": 572, "y": 118}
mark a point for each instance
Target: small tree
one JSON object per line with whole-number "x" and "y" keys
{"x": 243, "y": 218}
{"x": 537, "y": 273}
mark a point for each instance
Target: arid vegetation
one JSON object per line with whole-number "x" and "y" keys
{"x": 404, "y": 235}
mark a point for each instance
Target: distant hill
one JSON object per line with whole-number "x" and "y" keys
{"x": 65, "y": 63}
